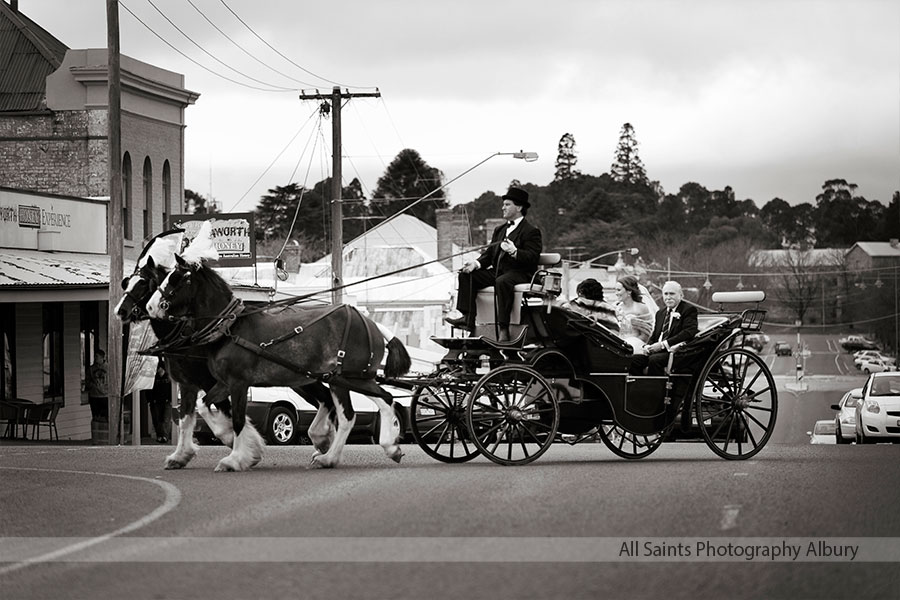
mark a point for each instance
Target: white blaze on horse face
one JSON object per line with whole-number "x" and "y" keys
{"x": 153, "y": 305}
{"x": 131, "y": 283}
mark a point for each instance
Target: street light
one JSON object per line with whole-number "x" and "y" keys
{"x": 631, "y": 251}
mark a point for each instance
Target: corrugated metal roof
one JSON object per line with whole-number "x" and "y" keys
{"x": 879, "y": 248}
{"x": 28, "y": 54}
{"x": 35, "y": 269}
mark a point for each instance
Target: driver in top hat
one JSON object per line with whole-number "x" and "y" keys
{"x": 510, "y": 259}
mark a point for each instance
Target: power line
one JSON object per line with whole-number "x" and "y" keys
{"x": 204, "y": 67}
{"x": 209, "y": 54}
{"x": 244, "y": 50}
{"x": 302, "y": 68}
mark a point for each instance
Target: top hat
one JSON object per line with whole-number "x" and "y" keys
{"x": 518, "y": 196}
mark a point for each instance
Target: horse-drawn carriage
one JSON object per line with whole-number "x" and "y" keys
{"x": 563, "y": 375}
{"x": 565, "y": 378}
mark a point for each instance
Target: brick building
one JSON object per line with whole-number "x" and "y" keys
{"x": 54, "y": 278}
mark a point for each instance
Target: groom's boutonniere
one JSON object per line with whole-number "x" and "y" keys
{"x": 676, "y": 315}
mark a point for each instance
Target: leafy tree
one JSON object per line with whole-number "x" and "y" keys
{"x": 843, "y": 218}
{"x": 627, "y": 165}
{"x": 195, "y": 204}
{"x": 407, "y": 179}
{"x": 566, "y": 159}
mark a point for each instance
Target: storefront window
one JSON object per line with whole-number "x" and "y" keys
{"x": 53, "y": 350}
{"x": 90, "y": 332}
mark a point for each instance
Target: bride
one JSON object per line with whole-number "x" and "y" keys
{"x": 634, "y": 316}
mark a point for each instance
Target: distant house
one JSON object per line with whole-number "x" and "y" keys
{"x": 873, "y": 255}
{"x": 812, "y": 258}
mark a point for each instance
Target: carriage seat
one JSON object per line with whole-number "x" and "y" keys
{"x": 484, "y": 299}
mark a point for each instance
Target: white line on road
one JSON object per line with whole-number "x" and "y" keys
{"x": 173, "y": 497}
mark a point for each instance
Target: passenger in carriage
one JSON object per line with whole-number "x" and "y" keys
{"x": 590, "y": 303}
{"x": 510, "y": 259}
{"x": 634, "y": 316}
{"x": 675, "y": 323}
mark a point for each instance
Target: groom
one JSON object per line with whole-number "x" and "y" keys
{"x": 675, "y": 323}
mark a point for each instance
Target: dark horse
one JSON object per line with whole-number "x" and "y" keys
{"x": 291, "y": 346}
{"x": 186, "y": 367}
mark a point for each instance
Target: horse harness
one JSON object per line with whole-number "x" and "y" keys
{"x": 262, "y": 348}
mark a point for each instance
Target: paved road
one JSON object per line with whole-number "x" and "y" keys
{"x": 101, "y": 522}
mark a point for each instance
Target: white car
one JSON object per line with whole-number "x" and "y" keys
{"x": 878, "y": 413}
{"x": 859, "y": 357}
{"x": 822, "y": 433}
{"x": 845, "y": 419}
{"x": 874, "y": 365}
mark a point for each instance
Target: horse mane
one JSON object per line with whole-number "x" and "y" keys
{"x": 217, "y": 287}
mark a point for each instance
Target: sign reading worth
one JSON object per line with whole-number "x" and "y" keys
{"x": 233, "y": 234}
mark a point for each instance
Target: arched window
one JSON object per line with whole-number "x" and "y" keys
{"x": 167, "y": 194}
{"x": 148, "y": 198}
{"x": 126, "y": 196}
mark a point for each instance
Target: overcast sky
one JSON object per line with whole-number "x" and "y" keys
{"x": 771, "y": 97}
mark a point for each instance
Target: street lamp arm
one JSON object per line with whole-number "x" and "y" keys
{"x": 631, "y": 251}
{"x": 526, "y": 156}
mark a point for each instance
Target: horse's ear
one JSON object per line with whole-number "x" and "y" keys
{"x": 181, "y": 262}
{"x": 125, "y": 281}
{"x": 150, "y": 262}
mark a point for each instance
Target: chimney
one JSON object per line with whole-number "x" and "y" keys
{"x": 14, "y": 5}
{"x": 452, "y": 229}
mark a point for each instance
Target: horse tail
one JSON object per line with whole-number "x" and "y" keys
{"x": 398, "y": 361}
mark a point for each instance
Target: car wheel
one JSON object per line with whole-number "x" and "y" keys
{"x": 867, "y": 371}
{"x": 282, "y": 427}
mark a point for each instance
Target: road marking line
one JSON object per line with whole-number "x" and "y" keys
{"x": 729, "y": 516}
{"x": 173, "y": 498}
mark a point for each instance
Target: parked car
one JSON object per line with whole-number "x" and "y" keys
{"x": 878, "y": 413}
{"x": 859, "y": 357}
{"x": 874, "y": 365}
{"x": 782, "y": 349}
{"x": 822, "y": 433}
{"x": 845, "y": 419}
{"x": 757, "y": 341}
{"x": 857, "y": 342}
{"x": 282, "y": 416}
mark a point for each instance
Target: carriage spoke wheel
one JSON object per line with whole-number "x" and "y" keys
{"x": 736, "y": 404}
{"x": 627, "y": 444}
{"x": 438, "y": 421}
{"x": 513, "y": 414}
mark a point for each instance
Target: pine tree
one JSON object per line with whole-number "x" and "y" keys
{"x": 566, "y": 159}
{"x": 627, "y": 166}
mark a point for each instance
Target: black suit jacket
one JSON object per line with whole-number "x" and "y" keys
{"x": 682, "y": 329}
{"x": 529, "y": 245}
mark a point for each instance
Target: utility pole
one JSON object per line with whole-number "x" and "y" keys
{"x": 114, "y": 221}
{"x": 337, "y": 226}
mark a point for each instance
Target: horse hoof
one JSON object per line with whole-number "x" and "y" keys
{"x": 318, "y": 462}
{"x": 397, "y": 456}
{"x": 225, "y": 466}
{"x": 173, "y": 464}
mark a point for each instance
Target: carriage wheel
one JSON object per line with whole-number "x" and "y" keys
{"x": 627, "y": 444}
{"x": 736, "y": 404}
{"x": 513, "y": 413}
{"x": 437, "y": 420}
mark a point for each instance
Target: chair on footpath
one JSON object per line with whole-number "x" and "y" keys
{"x": 12, "y": 412}
{"x": 43, "y": 414}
